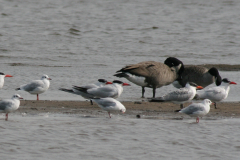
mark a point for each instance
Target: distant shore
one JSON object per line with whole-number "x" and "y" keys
{"x": 154, "y": 110}
{"x": 222, "y": 67}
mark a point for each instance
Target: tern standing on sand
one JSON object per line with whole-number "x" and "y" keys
{"x": 100, "y": 83}
{"x": 179, "y": 96}
{"x": 110, "y": 104}
{"x": 197, "y": 109}
{"x": 216, "y": 94}
{"x": 37, "y": 86}
{"x": 2, "y": 76}
{"x": 10, "y": 105}
{"x": 113, "y": 90}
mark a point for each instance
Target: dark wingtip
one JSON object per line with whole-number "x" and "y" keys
{"x": 66, "y": 90}
{"x": 120, "y": 75}
{"x": 80, "y": 88}
{"x": 17, "y": 89}
{"x": 177, "y": 110}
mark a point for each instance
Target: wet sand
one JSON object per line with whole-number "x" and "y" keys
{"x": 163, "y": 110}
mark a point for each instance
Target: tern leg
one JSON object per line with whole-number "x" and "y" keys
{"x": 197, "y": 119}
{"x": 109, "y": 114}
{"x": 181, "y": 106}
{"x": 215, "y": 105}
{"x": 91, "y": 102}
{"x": 37, "y": 97}
{"x": 6, "y": 117}
{"x": 143, "y": 91}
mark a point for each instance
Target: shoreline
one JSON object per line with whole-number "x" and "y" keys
{"x": 220, "y": 67}
{"x": 163, "y": 110}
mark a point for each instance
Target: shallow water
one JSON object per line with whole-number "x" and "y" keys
{"x": 57, "y": 136}
{"x": 76, "y": 42}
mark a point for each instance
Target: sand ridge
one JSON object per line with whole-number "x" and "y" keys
{"x": 148, "y": 109}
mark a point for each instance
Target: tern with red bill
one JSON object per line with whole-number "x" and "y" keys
{"x": 99, "y": 83}
{"x": 37, "y": 86}
{"x": 10, "y": 105}
{"x": 179, "y": 96}
{"x": 2, "y": 76}
{"x": 216, "y": 94}
{"x": 113, "y": 90}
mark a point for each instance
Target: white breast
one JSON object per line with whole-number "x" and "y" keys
{"x": 138, "y": 80}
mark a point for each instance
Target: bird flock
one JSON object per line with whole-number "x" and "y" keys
{"x": 190, "y": 83}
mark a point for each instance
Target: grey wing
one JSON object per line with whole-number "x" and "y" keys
{"x": 193, "y": 108}
{"x": 32, "y": 86}
{"x": 105, "y": 102}
{"x": 89, "y": 86}
{"x": 70, "y": 91}
{"x": 211, "y": 93}
{"x": 215, "y": 91}
{"x": 4, "y": 104}
{"x": 103, "y": 92}
{"x": 178, "y": 95}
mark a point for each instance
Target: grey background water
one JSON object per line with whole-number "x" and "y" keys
{"x": 76, "y": 137}
{"x": 76, "y": 42}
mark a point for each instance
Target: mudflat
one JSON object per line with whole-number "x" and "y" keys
{"x": 163, "y": 110}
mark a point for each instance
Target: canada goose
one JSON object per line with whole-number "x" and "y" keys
{"x": 179, "y": 96}
{"x": 152, "y": 74}
{"x": 10, "y": 105}
{"x": 113, "y": 90}
{"x": 197, "y": 109}
{"x": 99, "y": 83}
{"x": 109, "y": 104}
{"x": 217, "y": 93}
{"x": 37, "y": 86}
{"x": 197, "y": 74}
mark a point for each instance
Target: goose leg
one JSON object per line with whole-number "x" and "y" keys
{"x": 181, "y": 106}
{"x": 215, "y": 105}
{"x": 143, "y": 91}
{"x": 154, "y": 91}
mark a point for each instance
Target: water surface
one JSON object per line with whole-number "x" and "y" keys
{"x": 76, "y": 42}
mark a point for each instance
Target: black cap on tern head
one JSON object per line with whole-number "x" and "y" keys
{"x": 117, "y": 81}
{"x": 193, "y": 84}
{"x": 1, "y": 73}
{"x": 225, "y": 80}
{"x": 102, "y": 80}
